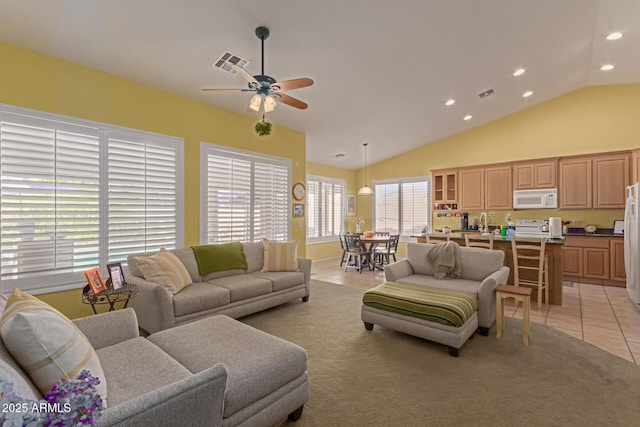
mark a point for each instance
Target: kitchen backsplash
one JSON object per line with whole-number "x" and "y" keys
{"x": 601, "y": 218}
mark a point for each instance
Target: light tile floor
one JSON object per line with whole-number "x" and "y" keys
{"x": 603, "y": 316}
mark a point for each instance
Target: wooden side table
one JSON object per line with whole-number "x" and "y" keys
{"x": 521, "y": 294}
{"x": 110, "y": 296}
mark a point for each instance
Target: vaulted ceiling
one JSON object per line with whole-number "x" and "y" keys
{"x": 383, "y": 69}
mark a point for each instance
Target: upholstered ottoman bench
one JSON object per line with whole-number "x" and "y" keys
{"x": 266, "y": 376}
{"x": 446, "y": 317}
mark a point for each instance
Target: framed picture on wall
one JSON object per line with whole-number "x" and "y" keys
{"x": 351, "y": 205}
{"x": 298, "y": 209}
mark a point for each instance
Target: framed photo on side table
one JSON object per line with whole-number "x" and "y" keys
{"x": 95, "y": 280}
{"x": 351, "y": 205}
{"x": 116, "y": 274}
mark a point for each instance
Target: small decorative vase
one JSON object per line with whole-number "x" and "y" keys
{"x": 357, "y": 228}
{"x": 565, "y": 230}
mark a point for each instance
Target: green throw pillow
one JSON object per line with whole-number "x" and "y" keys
{"x": 225, "y": 256}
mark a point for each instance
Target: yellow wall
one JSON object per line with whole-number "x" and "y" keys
{"x": 589, "y": 120}
{"x": 44, "y": 83}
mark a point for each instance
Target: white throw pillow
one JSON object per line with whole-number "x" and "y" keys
{"x": 46, "y": 344}
{"x": 166, "y": 269}
{"x": 280, "y": 256}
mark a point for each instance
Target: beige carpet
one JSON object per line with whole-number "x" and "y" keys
{"x": 385, "y": 378}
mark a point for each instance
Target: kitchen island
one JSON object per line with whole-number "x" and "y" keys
{"x": 553, "y": 249}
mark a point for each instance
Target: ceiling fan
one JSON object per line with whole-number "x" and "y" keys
{"x": 267, "y": 89}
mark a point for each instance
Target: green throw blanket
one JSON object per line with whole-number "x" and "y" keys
{"x": 225, "y": 256}
{"x": 436, "y": 305}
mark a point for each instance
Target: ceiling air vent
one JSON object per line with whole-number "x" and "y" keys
{"x": 227, "y": 57}
{"x": 487, "y": 93}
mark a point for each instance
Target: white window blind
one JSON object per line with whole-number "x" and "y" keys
{"x": 246, "y": 194}
{"x": 402, "y": 206}
{"x": 143, "y": 197}
{"x": 61, "y": 182}
{"x": 325, "y": 208}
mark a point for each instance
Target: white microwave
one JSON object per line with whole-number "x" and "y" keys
{"x": 535, "y": 199}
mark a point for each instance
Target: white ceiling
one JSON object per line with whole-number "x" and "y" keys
{"x": 383, "y": 69}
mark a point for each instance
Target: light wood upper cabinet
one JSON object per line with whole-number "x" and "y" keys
{"x": 471, "y": 189}
{"x": 575, "y": 183}
{"x": 445, "y": 186}
{"x": 610, "y": 179}
{"x": 535, "y": 174}
{"x": 498, "y": 189}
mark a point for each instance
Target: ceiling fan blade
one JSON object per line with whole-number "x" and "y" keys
{"x": 292, "y": 84}
{"x": 244, "y": 74}
{"x": 286, "y": 99}
{"x": 227, "y": 90}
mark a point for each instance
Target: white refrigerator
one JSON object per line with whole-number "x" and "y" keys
{"x": 632, "y": 242}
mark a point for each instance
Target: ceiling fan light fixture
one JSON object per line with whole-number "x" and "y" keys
{"x": 256, "y": 100}
{"x": 365, "y": 190}
{"x": 269, "y": 103}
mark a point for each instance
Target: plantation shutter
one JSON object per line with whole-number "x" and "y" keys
{"x": 387, "y": 206}
{"x": 313, "y": 208}
{"x": 415, "y": 207}
{"x": 143, "y": 197}
{"x": 247, "y": 196}
{"x": 49, "y": 201}
{"x": 325, "y": 207}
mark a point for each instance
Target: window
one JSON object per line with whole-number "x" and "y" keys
{"x": 402, "y": 206}
{"x": 246, "y": 196}
{"x": 76, "y": 194}
{"x": 325, "y": 208}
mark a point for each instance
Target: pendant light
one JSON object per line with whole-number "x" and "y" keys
{"x": 365, "y": 190}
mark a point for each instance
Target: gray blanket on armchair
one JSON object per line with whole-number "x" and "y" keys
{"x": 445, "y": 260}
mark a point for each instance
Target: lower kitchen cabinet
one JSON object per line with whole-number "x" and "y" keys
{"x": 597, "y": 260}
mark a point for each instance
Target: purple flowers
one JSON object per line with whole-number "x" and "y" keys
{"x": 69, "y": 403}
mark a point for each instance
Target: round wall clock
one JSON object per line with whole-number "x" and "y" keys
{"x": 299, "y": 191}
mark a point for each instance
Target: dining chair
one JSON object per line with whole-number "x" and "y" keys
{"x": 382, "y": 234}
{"x": 385, "y": 254}
{"x": 438, "y": 239}
{"x": 357, "y": 255}
{"x": 473, "y": 241}
{"x": 343, "y": 246}
{"x": 531, "y": 261}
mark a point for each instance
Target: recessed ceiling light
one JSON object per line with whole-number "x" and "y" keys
{"x": 607, "y": 67}
{"x": 527, "y": 94}
{"x": 614, "y": 36}
{"x": 450, "y": 102}
{"x": 468, "y": 117}
{"x": 518, "y": 72}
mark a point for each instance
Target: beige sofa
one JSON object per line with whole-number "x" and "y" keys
{"x": 482, "y": 270}
{"x": 235, "y": 293}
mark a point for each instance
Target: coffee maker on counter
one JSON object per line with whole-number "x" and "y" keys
{"x": 464, "y": 221}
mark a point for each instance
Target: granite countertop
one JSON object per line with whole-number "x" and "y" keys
{"x": 460, "y": 235}
{"x": 600, "y": 232}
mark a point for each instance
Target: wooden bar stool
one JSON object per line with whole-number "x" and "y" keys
{"x": 479, "y": 242}
{"x": 519, "y": 294}
{"x": 531, "y": 266}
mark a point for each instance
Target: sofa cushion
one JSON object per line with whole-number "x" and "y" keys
{"x": 254, "y": 252}
{"x": 282, "y": 280}
{"x": 280, "y": 256}
{"x": 220, "y": 257}
{"x": 417, "y": 257}
{"x": 257, "y": 363}
{"x": 135, "y": 367}
{"x": 224, "y": 273}
{"x": 166, "y": 269}
{"x": 46, "y": 344}
{"x": 478, "y": 263}
{"x": 199, "y": 297}
{"x": 188, "y": 259}
{"x": 243, "y": 286}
